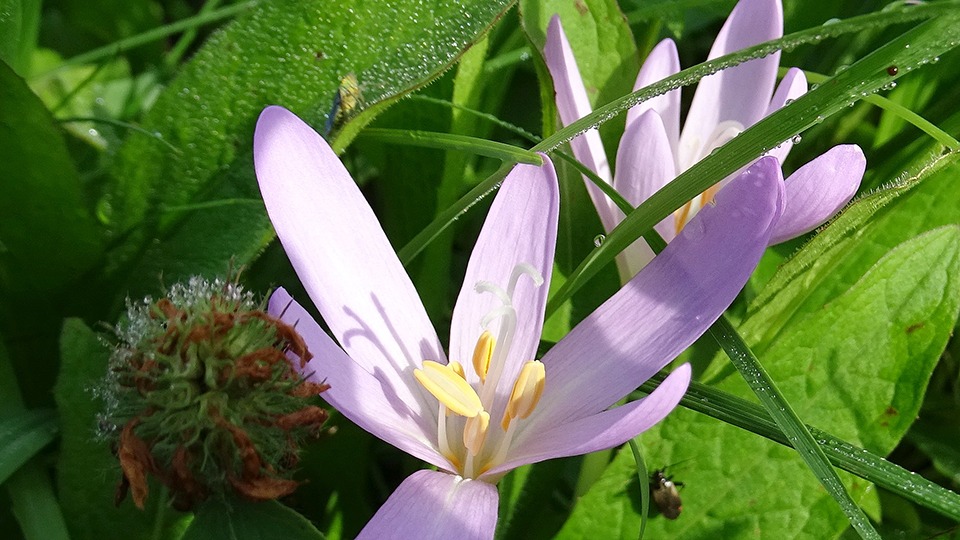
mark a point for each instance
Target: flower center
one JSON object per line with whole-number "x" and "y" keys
{"x": 465, "y": 434}
{"x": 691, "y": 153}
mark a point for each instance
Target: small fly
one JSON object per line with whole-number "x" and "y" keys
{"x": 346, "y": 100}
{"x": 665, "y": 494}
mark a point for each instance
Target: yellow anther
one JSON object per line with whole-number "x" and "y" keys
{"x": 526, "y": 392}
{"x": 482, "y": 354}
{"x": 708, "y": 196}
{"x": 686, "y": 212}
{"x": 681, "y": 216}
{"x": 475, "y": 432}
{"x": 458, "y": 369}
{"x": 450, "y": 388}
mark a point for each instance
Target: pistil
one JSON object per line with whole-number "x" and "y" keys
{"x": 483, "y": 449}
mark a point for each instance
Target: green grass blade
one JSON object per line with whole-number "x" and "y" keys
{"x": 23, "y": 434}
{"x": 32, "y": 498}
{"x": 448, "y": 216}
{"x": 155, "y": 34}
{"x": 788, "y": 421}
{"x": 643, "y": 476}
{"x": 452, "y": 141}
{"x": 908, "y": 115}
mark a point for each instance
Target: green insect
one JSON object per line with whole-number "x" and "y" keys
{"x": 346, "y": 101}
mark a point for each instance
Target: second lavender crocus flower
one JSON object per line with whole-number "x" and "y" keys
{"x": 653, "y": 150}
{"x": 493, "y": 407}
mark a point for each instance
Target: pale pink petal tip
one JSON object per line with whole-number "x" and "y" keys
{"x": 741, "y": 93}
{"x": 339, "y": 250}
{"x": 431, "y": 505}
{"x": 819, "y": 189}
{"x": 793, "y": 85}
{"x": 662, "y": 62}
{"x": 572, "y": 105}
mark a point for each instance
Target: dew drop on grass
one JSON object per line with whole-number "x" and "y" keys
{"x": 598, "y": 240}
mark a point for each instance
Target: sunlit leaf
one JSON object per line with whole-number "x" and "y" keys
{"x": 292, "y": 54}
{"x": 738, "y": 484}
{"x": 238, "y": 519}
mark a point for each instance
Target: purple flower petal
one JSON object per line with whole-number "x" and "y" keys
{"x": 819, "y": 189}
{"x": 341, "y": 254}
{"x": 644, "y": 165}
{"x": 793, "y": 85}
{"x": 435, "y": 505}
{"x": 573, "y": 104}
{"x": 520, "y": 228}
{"x": 660, "y": 64}
{"x": 367, "y": 399}
{"x": 739, "y": 94}
{"x": 668, "y": 305}
{"x": 599, "y": 431}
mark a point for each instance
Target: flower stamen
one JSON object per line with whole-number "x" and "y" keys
{"x": 482, "y": 354}
{"x": 475, "y": 432}
{"x": 458, "y": 369}
{"x": 526, "y": 394}
{"x": 449, "y": 388}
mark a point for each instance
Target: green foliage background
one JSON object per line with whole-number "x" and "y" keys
{"x": 126, "y": 165}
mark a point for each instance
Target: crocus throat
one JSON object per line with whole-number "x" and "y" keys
{"x": 466, "y": 436}
{"x": 689, "y": 153}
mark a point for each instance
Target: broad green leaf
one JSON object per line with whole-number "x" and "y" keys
{"x": 87, "y": 472}
{"x": 867, "y": 355}
{"x": 19, "y": 26}
{"x": 23, "y": 434}
{"x": 48, "y": 240}
{"x": 293, "y": 54}
{"x": 221, "y": 232}
{"x": 837, "y": 257}
{"x": 749, "y": 416}
{"x": 238, "y": 519}
{"x": 738, "y": 484}
{"x": 41, "y": 198}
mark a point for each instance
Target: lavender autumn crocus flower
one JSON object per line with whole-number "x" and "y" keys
{"x": 492, "y": 406}
{"x": 653, "y": 150}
